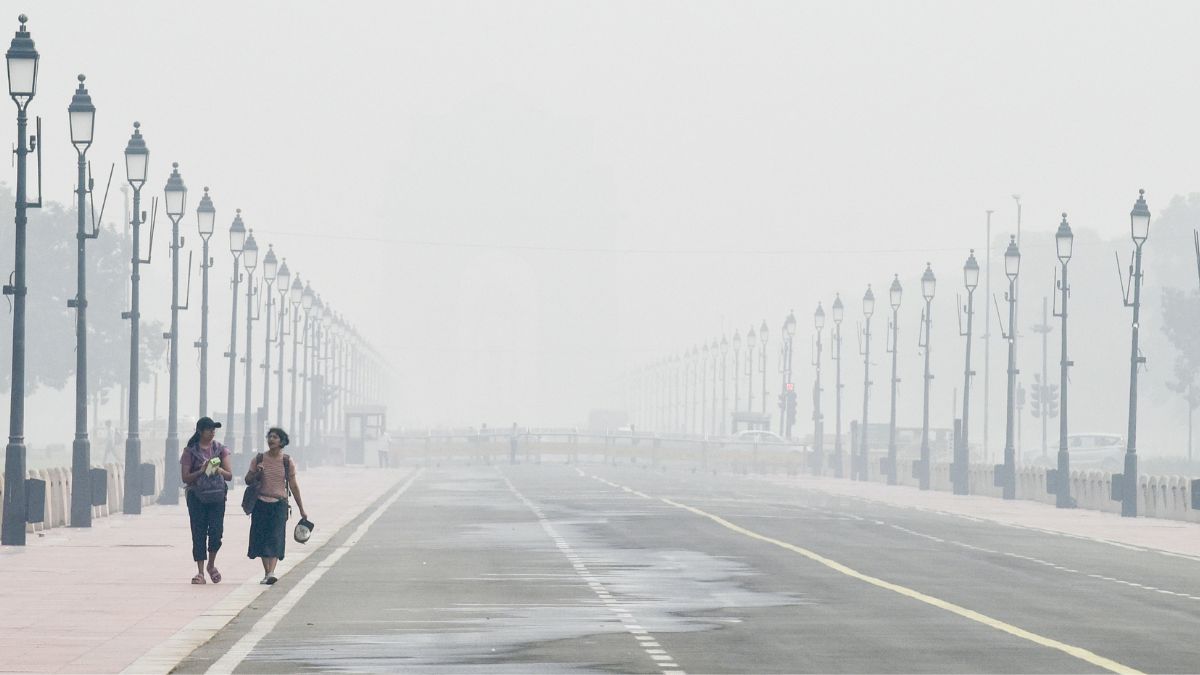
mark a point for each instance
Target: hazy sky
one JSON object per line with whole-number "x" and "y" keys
{"x": 517, "y": 201}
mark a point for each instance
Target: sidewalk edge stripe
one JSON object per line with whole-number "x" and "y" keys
{"x": 242, "y": 648}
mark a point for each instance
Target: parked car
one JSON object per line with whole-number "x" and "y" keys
{"x": 758, "y": 435}
{"x": 1096, "y": 451}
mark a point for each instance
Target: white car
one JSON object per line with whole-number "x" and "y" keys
{"x": 1096, "y": 451}
{"x": 758, "y": 435}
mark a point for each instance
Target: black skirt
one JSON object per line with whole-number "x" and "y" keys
{"x": 268, "y": 529}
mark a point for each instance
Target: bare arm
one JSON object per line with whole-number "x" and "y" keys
{"x": 296, "y": 493}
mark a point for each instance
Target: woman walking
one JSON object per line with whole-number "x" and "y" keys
{"x": 275, "y": 474}
{"x": 205, "y": 470}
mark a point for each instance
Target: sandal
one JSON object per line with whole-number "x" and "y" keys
{"x": 215, "y": 574}
{"x": 198, "y": 579}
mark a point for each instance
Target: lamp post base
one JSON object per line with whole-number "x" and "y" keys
{"x": 81, "y": 483}
{"x": 13, "y": 530}
{"x": 170, "y": 492}
{"x": 132, "y": 502}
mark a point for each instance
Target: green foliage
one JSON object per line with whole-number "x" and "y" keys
{"x": 51, "y": 278}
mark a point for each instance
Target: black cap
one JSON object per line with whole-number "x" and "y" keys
{"x": 207, "y": 423}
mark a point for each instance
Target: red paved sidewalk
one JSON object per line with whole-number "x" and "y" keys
{"x": 97, "y": 600}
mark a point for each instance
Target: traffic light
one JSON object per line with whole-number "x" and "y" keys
{"x": 791, "y": 408}
{"x": 1021, "y": 396}
{"x": 1052, "y": 401}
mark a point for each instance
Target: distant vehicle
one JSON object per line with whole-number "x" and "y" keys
{"x": 758, "y": 435}
{"x": 1096, "y": 451}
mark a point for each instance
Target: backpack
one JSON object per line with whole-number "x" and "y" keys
{"x": 208, "y": 489}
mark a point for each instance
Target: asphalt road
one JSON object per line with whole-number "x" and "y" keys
{"x": 550, "y": 568}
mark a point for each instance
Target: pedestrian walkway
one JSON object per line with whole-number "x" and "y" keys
{"x": 1169, "y": 536}
{"x": 118, "y": 596}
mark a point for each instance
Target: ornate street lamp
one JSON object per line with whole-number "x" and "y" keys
{"x": 22, "y": 85}
{"x": 82, "y": 116}
{"x": 737, "y": 376}
{"x": 763, "y": 336}
{"x": 818, "y": 464}
{"x": 270, "y": 270}
{"x": 868, "y": 309}
{"x": 787, "y": 396}
{"x": 295, "y": 294}
{"x": 237, "y": 244}
{"x": 894, "y": 294}
{"x": 307, "y": 302}
{"x": 206, "y": 221}
{"x": 1007, "y": 473}
{"x": 250, "y": 263}
{"x": 751, "y": 339}
{"x": 724, "y": 384}
{"x": 282, "y": 282}
{"x": 1064, "y": 244}
{"x": 838, "y": 313}
{"x": 1139, "y": 231}
{"x": 137, "y": 158}
{"x": 175, "y": 195}
{"x": 928, "y": 286}
{"x": 960, "y": 470}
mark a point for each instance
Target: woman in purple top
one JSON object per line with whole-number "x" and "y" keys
{"x": 207, "y": 514}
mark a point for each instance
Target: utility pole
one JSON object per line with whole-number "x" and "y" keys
{"x": 1041, "y": 405}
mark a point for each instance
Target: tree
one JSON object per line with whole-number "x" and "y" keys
{"x": 1181, "y": 323}
{"x": 51, "y": 279}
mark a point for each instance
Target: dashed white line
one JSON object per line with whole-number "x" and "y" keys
{"x": 648, "y": 643}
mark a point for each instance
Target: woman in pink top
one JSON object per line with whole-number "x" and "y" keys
{"x": 207, "y": 518}
{"x": 275, "y": 473}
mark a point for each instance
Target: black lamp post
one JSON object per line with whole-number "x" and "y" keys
{"x": 928, "y": 286}
{"x": 1064, "y": 244}
{"x": 724, "y": 384}
{"x": 703, "y": 374}
{"x": 1139, "y": 230}
{"x": 295, "y": 295}
{"x": 962, "y": 446}
{"x": 307, "y": 301}
{"x": 269, "y": 270}
{"x": 763, "y": 336}
{"x": 283, "y": 282}
{"x": 176, "y": 202}
{"x": 737, "y": 375}
{"x": 818, "y": 419}
{"x": 206, "y": 222}
{"x": 237, "y": 244}
{"x": 751, "y": 338}
{"x": 250, "y": 263}
{"x": 894, "y": 293}
{"x": 787, "y": 396}
{"x": 868, "y": 310}
{"x": 1012, "y": 267}
{"x": 137, "y": 158}
{"x": 22, "y": 85}
{"x": 838, "y": 312}
{"x": 82, "y": 115}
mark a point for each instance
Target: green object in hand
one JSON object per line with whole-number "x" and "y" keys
{"x": 215, "y": 461}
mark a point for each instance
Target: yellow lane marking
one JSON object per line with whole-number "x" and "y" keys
{"x": 1077, "y": 652}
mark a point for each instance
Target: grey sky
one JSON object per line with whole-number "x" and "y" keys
{"x": 698, "y": 137}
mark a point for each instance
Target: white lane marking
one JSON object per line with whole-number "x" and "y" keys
{"x": 972, "y": 615}
{"x": 624, "y": 616}
{"x": 242, "y": 648}
{"x": 1036, "y": 561}
{"x": 201, "y": 629}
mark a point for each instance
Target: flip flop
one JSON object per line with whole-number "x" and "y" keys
{"x": 215, "y": 574}
{"x": 198, "y": 579}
